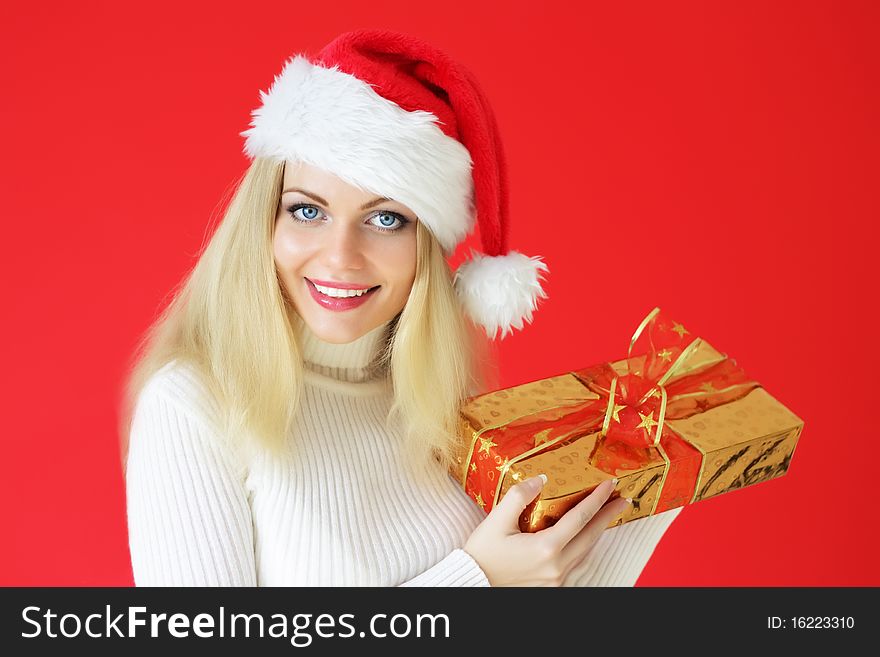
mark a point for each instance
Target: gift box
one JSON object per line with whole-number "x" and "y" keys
{"x": 677, "y": 423}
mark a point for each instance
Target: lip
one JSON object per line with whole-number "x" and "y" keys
{"x": 338, "y": 305}
{"x": 341, "y": 286}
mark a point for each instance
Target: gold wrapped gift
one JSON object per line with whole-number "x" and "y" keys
{"x": 676, "y": 425}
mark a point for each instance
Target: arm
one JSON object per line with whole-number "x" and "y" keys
{"x": 189, "y": 521}
{"x": 617, "y": 559}
{"x": 622, "y": 552}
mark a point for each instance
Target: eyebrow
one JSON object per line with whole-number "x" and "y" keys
{"x": 365, "y": 206}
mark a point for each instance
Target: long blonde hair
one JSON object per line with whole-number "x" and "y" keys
{"x": 229, "y": 321}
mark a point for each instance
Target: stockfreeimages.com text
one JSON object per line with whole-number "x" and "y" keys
{"x": 300, "y": 629}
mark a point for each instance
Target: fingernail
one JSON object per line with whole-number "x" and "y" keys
{"x": 630, "y": 500}
{"x": 615, "y": 481}
{"x": 543, "y": 478}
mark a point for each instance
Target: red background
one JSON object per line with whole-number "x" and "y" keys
{"x": 718, "y": 160}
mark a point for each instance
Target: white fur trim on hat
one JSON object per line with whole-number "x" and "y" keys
{"x": 338, "y": 123}
{"x": 499, "y": 292}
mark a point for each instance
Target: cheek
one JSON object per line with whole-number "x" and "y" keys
{"x": 400, "y": 265}
{"x": 289, "y": 253}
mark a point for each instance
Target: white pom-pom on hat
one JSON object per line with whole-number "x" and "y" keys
{"x": 500, "y": 292}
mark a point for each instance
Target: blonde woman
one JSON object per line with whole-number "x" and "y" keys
{"x": 290, "y": 417}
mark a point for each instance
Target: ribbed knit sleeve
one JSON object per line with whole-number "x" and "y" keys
{"x": 189, "y": 521}
{"x": 458, "y": 568}
{"x": 617, "y": 559}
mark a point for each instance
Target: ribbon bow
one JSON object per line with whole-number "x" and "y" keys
{"x": 642, "y": 393}
{"x": 666, "y": 382}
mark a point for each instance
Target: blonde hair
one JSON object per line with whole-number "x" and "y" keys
{"x": 229, "y": 320}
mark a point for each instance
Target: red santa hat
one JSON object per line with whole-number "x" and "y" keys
{"x": 395, "y": 116}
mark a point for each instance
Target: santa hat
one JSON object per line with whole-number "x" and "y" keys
{"x": 395, "y": 116}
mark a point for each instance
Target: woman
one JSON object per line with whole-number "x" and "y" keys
{"x": 293, "y": 410}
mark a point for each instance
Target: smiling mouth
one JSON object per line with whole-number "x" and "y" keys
{"x": 341, "y": 293}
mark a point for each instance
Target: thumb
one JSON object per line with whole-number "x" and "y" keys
{"x": 517, "y": 497}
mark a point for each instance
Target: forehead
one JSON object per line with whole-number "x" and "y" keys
{"x": 307, "y": 176}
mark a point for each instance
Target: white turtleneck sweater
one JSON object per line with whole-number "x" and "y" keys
{"x": 345, "y": 512}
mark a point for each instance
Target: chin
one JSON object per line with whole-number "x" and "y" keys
{"x": 340, "y": 338}
{"x": 335, "y": 331}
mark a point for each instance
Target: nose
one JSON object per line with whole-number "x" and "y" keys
{"x": 343, "y": 248}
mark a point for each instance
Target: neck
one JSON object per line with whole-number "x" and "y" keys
{"x": 354, "y": 361}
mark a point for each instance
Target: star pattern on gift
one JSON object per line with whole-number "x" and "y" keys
{"x": 615, "y": 413}
{"x": 708, "y": 387}
{"x": 473, "y": 467}
{"x": 648, "y": 421}
{"x": 665, "y": 355}
{"x": 479, "y": 500}
{"x": 542, "y": 436}
{"x": 681, "y": 330}
{"x": 486, "y": 444}
{"x": 503, "y": 466}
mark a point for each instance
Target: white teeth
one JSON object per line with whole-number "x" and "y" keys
{"x": 338, "y": 293}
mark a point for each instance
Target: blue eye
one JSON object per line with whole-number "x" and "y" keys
{"x": 304, "y": 213}
{"x": 386, "y": 221}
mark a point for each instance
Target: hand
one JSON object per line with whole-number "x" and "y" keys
{"x": 510, "y": 557}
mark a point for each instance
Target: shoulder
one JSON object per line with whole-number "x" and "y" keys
{"x": 181, "y": 386}
{"x": 174, "y": 409}
{"x": 175, "y": 420}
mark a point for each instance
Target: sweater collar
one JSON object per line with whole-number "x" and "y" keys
{"x": 353, "y": 361}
